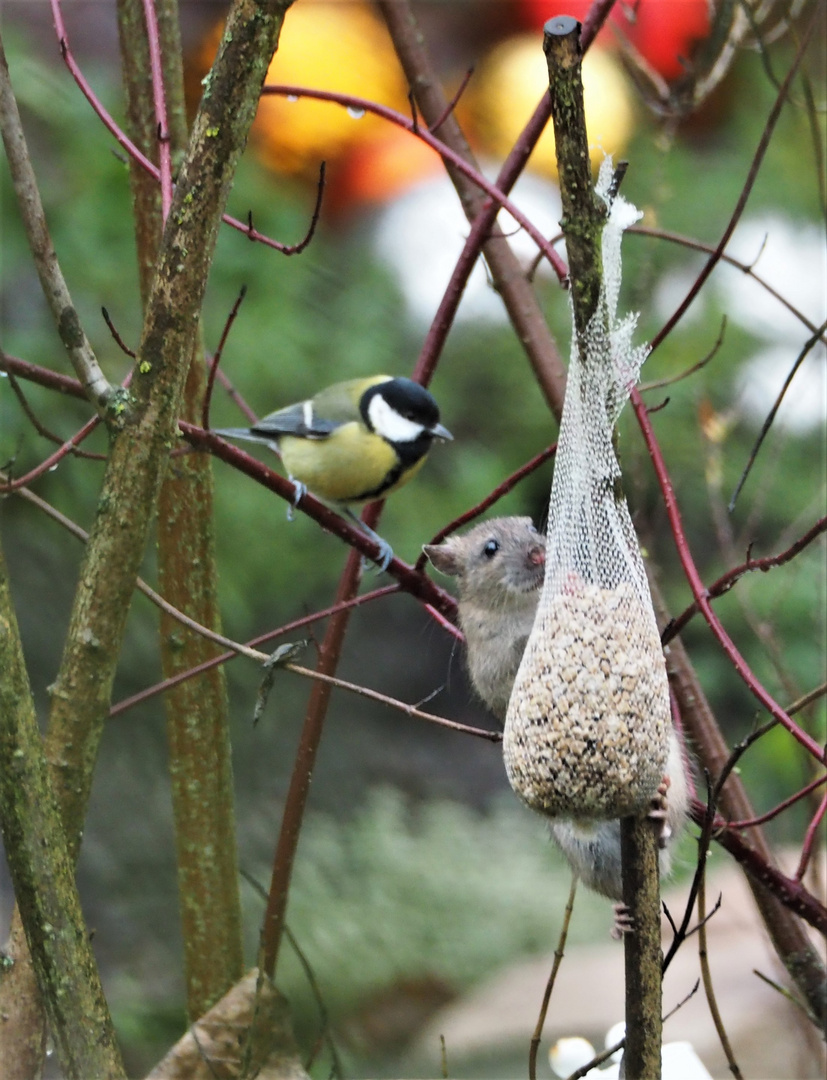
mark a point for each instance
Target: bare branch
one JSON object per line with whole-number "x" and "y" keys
{"x": 95, "y": 384}
{"x": 701, "y": 595}
{"x": 749, "y": 182}
{"x": 485, "y": 234}
{"x": 555, "y": 967}
{"x": 136, "y": 155}
{"x": 724, "y": 583}
{"x": 498, "y": 493}
{"x": 709, "y": 989}
{"x": 765, "y": 427}
{"x": 42, "y": 872}
{"x": 351, "y": 101}
{"x": 216, "y": 358}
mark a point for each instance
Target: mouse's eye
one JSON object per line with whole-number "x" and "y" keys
{"x": 491, "y": 548}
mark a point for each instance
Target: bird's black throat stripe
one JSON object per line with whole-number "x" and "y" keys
{"x": 408, "y": 454}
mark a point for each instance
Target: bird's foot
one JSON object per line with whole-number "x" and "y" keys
{"x": 300, "y": 490}
{"x": 385, "y": 555}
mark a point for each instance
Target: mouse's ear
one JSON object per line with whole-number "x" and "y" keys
{"x": 444, "y": 556}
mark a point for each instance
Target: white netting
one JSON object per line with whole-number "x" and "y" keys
{"x": 586, "y": 732}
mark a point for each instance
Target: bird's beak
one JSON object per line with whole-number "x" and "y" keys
{"x": 440, "y": 432}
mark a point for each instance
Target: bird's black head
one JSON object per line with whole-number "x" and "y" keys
{"x": 402, "y": 412}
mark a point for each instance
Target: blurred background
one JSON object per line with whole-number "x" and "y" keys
{"x": 419, "y": 876}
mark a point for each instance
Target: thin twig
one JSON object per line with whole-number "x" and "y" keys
{"x": 400, "y": 706}
{"x": 710, "y": 249}
{"x": 762, "y": 819}
{"x": 309, "y": 974}
{"x": 53, "y": 460}
{"x": 707, "y": 822}
{"x": 41, "y": 430}
{"x": 216, "y": 359}
{"x": 746, "y": 190}
{"x": 160, "y": 103}
{"x": 768, "y": 422}
{"x": 598, "y": 1060}
{"x": 485, "y": 234}
{"x": 784, "y": 904}
{"x": 658, "y": 384}
{"x": 555, "y": 967}
{"x": 452, "y": 104}
{"x": 709, "y": 990}
{"x": 785, "y": 890}
{"x": 262, "y": 639}
{"x": 610, "y": 1051}
{"x": 809, "y": 839}
{"x": 498, "y": 493}
{"x": 119, "y": 341}
{"x": 260, "y": 657}
{"x": 784, "y": 992}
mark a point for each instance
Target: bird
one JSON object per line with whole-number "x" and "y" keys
{"x": 353, "y": 442}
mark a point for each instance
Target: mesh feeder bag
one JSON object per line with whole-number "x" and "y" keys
{"x": 587, "y": 726}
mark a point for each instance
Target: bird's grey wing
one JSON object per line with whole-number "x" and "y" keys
{"x": 299, "y": 420}
{"x": 247, "y": 436}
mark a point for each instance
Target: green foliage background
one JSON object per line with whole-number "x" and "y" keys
{"x": 406, "y": 824}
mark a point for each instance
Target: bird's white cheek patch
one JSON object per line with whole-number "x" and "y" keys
{"x": 389, "y": 424}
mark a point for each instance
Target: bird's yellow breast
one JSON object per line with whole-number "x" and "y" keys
{"x": 350, "y": 466}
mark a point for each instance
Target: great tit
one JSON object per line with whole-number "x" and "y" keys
{"x": 353, "y": 442}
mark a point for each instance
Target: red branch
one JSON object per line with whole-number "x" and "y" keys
{"x": 746, "y": 190}
{"x": 751, "y": 823}
{"x": 133, "y": 151}
{"x": 52, "y": 461}
{"x": 160, "y": 101}
{"x": 699, "y": 591}
{"x": 788, "y": 890}
{"x": 726, "y": 581}
{"x": 42, "y": 376}
{"x": 216, "y": 359}
{"x": 502, "y": 489}
{"x": 350, "y": 101}
{"x": 809, "y": 839}
{"x": 263, "y": 639}
{"x": 412, "y": 582}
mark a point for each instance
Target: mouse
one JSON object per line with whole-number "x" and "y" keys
{"x": 499, "y": 566}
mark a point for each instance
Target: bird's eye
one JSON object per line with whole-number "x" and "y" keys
{"x": 491, "y": 548}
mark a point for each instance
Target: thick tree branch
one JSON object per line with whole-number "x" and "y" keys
{"x": 641, "y": 948}
{"x": 136, "y": 466}
{"x": 55, "y": 289}
{"x": 42, "y": 873}
{"x": 197, "y": 710}
{"x": 583, "y": 213}
{"x": 147, "y": 417}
